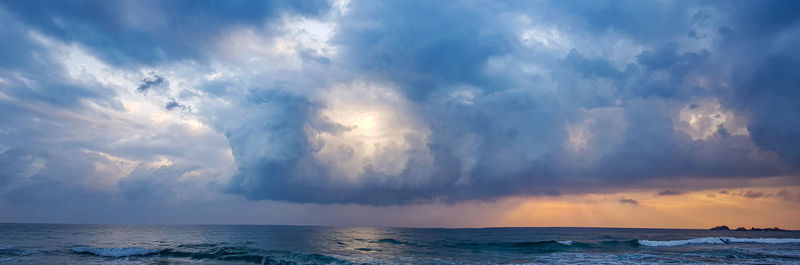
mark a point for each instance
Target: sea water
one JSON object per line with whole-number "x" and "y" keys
{"x": 241, "y": 244}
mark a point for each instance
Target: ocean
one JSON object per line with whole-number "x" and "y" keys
{"x": 257, "y": 244}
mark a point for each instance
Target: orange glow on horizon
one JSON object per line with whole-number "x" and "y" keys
{"x": 751, "y": 207}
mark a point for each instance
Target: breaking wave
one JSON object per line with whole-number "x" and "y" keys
{"x": 717, "y": 240}
{"x": 558, "y": 246}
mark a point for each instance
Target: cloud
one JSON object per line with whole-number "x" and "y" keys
{"x": 786, "y": 194}
{"x": 471, "y": 104}
{"x": 590, "y": 121}
{"x": 32, "y": 72}
{"x": 766, "y": 92}
{"x": 670, "y": 193}
{"x": 152, "y": 81}
{"x": 133, "y": 33}
{"x": 174, "y": 104}
{"x": 754, "y": 195}
{"x": 628, "y": 201}
{"x": 400, "y": 102}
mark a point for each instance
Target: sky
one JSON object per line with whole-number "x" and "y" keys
{"x": 680, "y": 114}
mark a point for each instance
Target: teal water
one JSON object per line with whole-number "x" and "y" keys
{"x": 235, "y": 244}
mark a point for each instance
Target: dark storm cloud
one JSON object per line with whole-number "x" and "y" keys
{"x": 647, "y": 21}
{"x": 516, "y": 98}
{"x": 770, "y": 93}
{"x": 766, "y": 83}
{"x": 423, "y": 45}
{"x": 432, "y": 49}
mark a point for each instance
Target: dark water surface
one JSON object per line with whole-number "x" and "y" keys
{"x": 239, "y": 244}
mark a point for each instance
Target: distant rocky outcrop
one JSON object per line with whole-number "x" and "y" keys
{"x": 726, "y": 228}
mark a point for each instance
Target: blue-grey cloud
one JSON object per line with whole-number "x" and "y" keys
{"x": 29, "y": 71}
{"x": 481, "y": 99}
{"x": 769, "y": 93}
{"x": 133, "y": 32}
{"x": 173, "y": 104}
{"x": 433, "y": 50}
{"x": 150, "y": 82}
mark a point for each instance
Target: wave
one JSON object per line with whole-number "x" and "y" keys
{"x": 614, "y": 243}
{"x": 238, "y": 254}
{"x": 12, "y": 251}
{"x": 763, "y": 240}
{"x": 716, "y": 240}
{"x": 771, "y": 253}
{"x": 566, "y": 243}
{"x": 560, "y": 246}
{"x": 392, "y": 241}
{"x": 253, "y": 256}
{"x": 115, "y": 252}
{"x": 545, "y": 246}
{"x": 12, "y": 255}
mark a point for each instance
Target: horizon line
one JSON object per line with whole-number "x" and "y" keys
{"x": 367, "y": 226}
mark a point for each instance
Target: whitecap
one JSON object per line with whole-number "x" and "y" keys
{"x": 672, "y": 243}
{"x": 716, "y": 240}
{"x": 762, "y": 240}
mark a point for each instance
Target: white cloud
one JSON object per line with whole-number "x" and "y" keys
{"x": 702, "y": 119}
{"x": 380, "y": 134}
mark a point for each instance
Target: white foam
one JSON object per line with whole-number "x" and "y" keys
{"x": 115, "y": 252}
{"x": 672, "y": 243}
{"x": 763, "y": 240}
{"x": 566, "y": 243}
{"x": 717, "y": 240}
